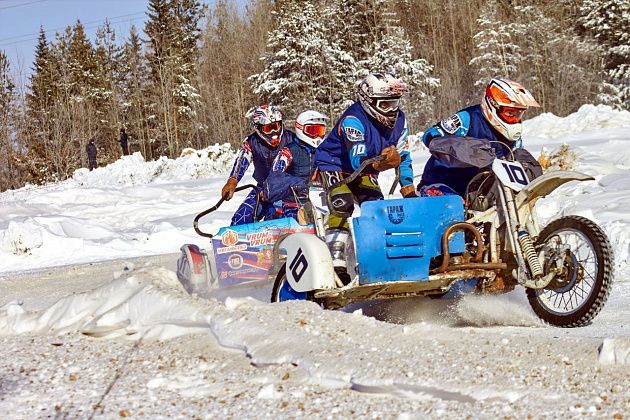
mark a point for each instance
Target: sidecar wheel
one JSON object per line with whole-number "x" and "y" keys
{"x": 577, "y": 296}
{"x": 282, "y": 290}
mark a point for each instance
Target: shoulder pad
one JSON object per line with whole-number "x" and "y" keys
{"x": 457, "y": 124}
{"x": 353, "y": 129}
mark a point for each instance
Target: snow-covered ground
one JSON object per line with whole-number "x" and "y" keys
{"x": 87, "y": 329}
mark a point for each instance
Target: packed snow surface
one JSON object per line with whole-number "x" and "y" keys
{"x": 93, "y": 322}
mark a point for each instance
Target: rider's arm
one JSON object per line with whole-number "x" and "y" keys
{"x": 283, "y": 160}
{"x": 242, "y": 161}
{"x": 456, "y": 125}
{"x": 406, "y": 170}
{"x": 353, "y": 131}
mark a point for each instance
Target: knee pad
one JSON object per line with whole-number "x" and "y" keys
{"x": 342, "y": 205}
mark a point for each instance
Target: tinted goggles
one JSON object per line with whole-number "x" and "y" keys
{"x": 312, "y": 130}
{"x": 388, "y": 105}
{"x": 510, "y": 114}
{"x": 271, "y": 128}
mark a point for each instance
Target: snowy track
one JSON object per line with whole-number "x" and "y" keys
{"x": 91, "y": 339}
{"x": 167, "y": 354}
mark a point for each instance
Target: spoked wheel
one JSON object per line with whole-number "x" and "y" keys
{"x": 282, "y": 290}
{"x": 577, "y": 294}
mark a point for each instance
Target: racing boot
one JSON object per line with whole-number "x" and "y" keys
{"x": 337, "y": 240}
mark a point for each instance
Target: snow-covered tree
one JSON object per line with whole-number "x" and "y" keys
{"x": 7, "y": 97}
{"x": 134, "y": 80}
{"x": 558, "y": 67}
{"x": 299, "y": 60}
{"x": 320, "y": 52}
{"x": 496, "y": 54}
{"x": 609, "y": 22}
{"x": 173, "y": 52}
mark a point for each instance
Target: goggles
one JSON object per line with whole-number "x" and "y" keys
{"x": 388, "y": 105}
{"x": 271, "y": 128}
{"x": 510, "y": 114}
{"x": 312, "y": 130}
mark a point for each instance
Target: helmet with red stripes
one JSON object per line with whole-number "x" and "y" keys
{"x": 267, "y": 122}
{"x": 503, "y": 104}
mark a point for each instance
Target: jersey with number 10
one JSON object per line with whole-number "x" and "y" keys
{"x": 356, "y": 137}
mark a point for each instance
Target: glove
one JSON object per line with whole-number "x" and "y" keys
{"x": 392, "y": 159}
{"x": 408, "y": 191}
{"x": 227, "y": 192}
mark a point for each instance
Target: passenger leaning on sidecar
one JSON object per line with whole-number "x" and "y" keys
{"x": 292, "y": 169}
{"x": 497, "y": 118}
{"x": 372, "y": 126}
{"x": 260, "y": 148}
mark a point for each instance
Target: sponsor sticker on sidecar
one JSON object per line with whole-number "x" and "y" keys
{"x": 250, "y": 257}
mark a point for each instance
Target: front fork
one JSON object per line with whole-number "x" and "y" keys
{"x": 523, "y": 246}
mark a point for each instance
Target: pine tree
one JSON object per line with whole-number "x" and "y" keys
{"x": 558, "y": 67}
{"x": 297, "y": 61}
{"x": 608, "y": 22}
{"x": 107, "y": 93}
{"x": 8, "y": 171}
{"x": 173, "y": 35}
{"x": 496, "y": 54}
{"x": 134, "y": 87}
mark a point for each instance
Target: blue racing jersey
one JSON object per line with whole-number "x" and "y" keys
{"x": 468, "y": 122}
{"x": 255, "y": 150}
{"x": 356, "y": 137}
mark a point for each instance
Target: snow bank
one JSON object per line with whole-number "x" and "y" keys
{"x": 134, "y": 170}
{"x": 587, "y": 118}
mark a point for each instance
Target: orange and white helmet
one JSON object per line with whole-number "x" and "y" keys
{"x": 503, "y": 105}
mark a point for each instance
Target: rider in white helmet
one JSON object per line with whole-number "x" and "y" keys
{"x": 497, "y": 118}
{"x": 292, "y": 169}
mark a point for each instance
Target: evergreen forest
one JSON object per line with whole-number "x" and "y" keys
{"x": 188, "y": 77}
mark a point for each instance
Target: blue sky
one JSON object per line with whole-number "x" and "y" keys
{"x": 20, "y": 21}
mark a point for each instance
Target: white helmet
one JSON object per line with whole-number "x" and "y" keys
{"x": 310, "y": 127}
{"x": 379, "y": 94}
{"x": 503, "y": 105}
{"x": 267, "y": 121}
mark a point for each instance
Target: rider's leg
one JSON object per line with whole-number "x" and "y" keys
{"x": 366, "y": 188}
{"x": 341, "y": 206}
{"x": 246, "y": 213}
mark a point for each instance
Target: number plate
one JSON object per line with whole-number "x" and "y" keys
{"x": 511, "y": 174}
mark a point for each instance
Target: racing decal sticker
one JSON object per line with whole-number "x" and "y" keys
{"x": 395, "y": 214}
{"x": 229, "y": 237}
{"x": 451, "y": 124}
{"x": 235, "y": 261}
{"x": 353, "y": 129}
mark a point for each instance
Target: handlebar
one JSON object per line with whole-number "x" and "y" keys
{"x": 213, "y": 208}
{"x": 357, "y": 171}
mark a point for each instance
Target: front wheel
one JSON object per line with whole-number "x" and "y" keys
{"x": 282, "y": 290}
{"x": 576, "y": 295}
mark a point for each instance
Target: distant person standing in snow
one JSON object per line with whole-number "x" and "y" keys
{"x": 91, "y": 153}
{"x": 259, "y": 148}
{"x": 124, "y": 142}
{"x": 497, "y": 118}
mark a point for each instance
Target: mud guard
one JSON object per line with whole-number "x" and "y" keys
{"x": 546, "y": 183}
{"x": 194, "y": 271}
{"x": 309, "y": 264}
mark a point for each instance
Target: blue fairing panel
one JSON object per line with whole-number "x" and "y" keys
{"x": 396, "y": 239}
